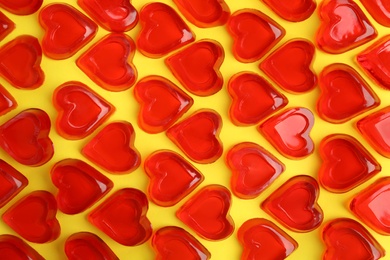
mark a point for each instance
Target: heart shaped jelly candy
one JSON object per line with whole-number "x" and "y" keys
{"x": 6, "y": 26}
{"x": 12, "y": 247}
{"x": 379, "y": 10}
{"x": 21, "y": 7}
{"x": 12, "y": 182}
{"x": 7, "y": 102}
{"x": 293, "y": 11}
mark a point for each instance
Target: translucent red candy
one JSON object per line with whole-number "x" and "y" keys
{"x": 207, "y": 213}
{"x": 254, "y": 34}
{"x": 12, "y": 247}
{"x": 11, "y": 182}
{"x": 7, "y": 102}
{"x": 171, "y": 177}
{"x": 379, "y": 10}
{"x": 21, "y": 7}
{"x": 123, "y": 217}
{"x": 161, "y": 103}
{"x": 6, "y": 26}
{"x": 293, "y": 11}
{"x": 197, "y": 67}
{"x": 294, "y": 204}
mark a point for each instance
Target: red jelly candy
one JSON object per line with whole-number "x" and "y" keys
{"x": 246, "y": 89}
{"x": 175, "y": 243}
{"x": 112, "y": 15}
{"x": 20, "y": 62}
{"x": 7, "y": 102}
{"x": 11, "y": 182}
{"x": 79, "y": 185}
{"x": 262, "y": 239}
{"x": 171, "y": 177}
{"x": 343, "y": 27}
{"x": 379, "y": 10}
{"x": 348, "y": 240}
{"x": 346, "y": 163}
{"x": 6, "y": 26}
{"x": 109, "y": 62}
{"x": 21, "y": 7}
{"x": 344, "y": 94}
{"x": 253, "y": 169}
{"x": 113, "y": 148}
{"x": 290, "y": 66}
{"x": 294, "y": 204}
{"x": 80, "y": 110}
{"x": 25, "y": 137}
{"x": 123, "y": 217}
{"x": 207, "y": 213}
{"x": 293, "y": 11}
{"x": 254, "y": 34}
{"x": 66, "y": 30}
{"x": 162, "y": 103}
{"x": 34, "y": 217}
{"x": 198, "y": 136}
{"x": 12, "y": 247}
{"x": 85, "y": 245}
{"x": 197, "y": 67}
{"x": 163, "y": 31}
{"x": 289, "y": 132}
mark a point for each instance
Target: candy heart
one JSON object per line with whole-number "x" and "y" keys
{"x": 11, "y": 182}
{"x": 163, "y": 31}
{"x": 109, "y": 62}
{"x": 171, "y": 177}
{"x": 123, "y": 217}
{"x": 379, "y": 10}
{"x": 348, "y": 240}
{"x": 25, "y": 137}
{"x": 113, "y": 148}
{"x": 12, "y": 247}
{"x": 346, "y": 163}
{"x": 34, "y": 217}
{"x": 289, "y": 132}
{"x": 197, "y": 67}
{"x": 254, "y": 34}
{"x": 344, "y": 94}
{"x": 293, "y": 11}
{"x": 176, "y": 243}
{"x": 261, "y": 239}
{"x": 290, "y": 66}
{"x": 79, "y": 185}
{"x": 7, "y": 102}
{"x": 21, "y": 7}
{"x": 112, "y": 15}
{"x": 198, "y": 136}
{"x": 253, "y": 169}
{"x": 294, "y": 204}
{"x": 161, "y": 103}
{"x": 80, "y": 110}
{"x": 66, "y": 30}
{"x": 20, "y": 62}
{"x": 6, "y": 26}
{"x": 344, "y": 26}
{"x": 245, "y": 90}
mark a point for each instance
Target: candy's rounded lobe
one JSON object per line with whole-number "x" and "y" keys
{"x": 207, "y": 213}
{"x": 7, "y": 102}
{"x": 25, "y": 137}
{"x": 379, "y": 10}
{"x": 262, "y": 239}
{"x": 162, "y": 103}
{"x": 197, "y": 67}
{"x": 21, "y": 7}
{"x": 254, "y": 34}
{"x": 343, "y": 27}
{"x": 109, "y": 62}
{"x": 163, "y": 31}
{"x": 172, "y": 178}
{"x": 294, "y": 204}
{"x": 123, "y": 217}
{"x": 348, "y": 240}
{"x": 6, "y": 26}
{"x": 11, "y": 183}
{"x": 12, "y": 247}
{"x": 175, "y": 243}
{"x": 80, "y": 110}
{"x": 293, "y": 11}
{"x": 253, "y": 169}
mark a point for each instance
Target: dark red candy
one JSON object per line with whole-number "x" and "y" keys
{"x": 7, "y": 102}
{"x": 21, "y": 7}
{"x": 292, "y": 10}
{"x": 12, "y": 247}
{"x": 11, "y": 182}
{"x": 6, "y": 26}
{"x": 379, "y": 10}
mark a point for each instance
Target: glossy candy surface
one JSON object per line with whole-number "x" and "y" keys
{"x": 7, "y": 102}
{"x": 6, "y": 26}
{"x": 21, "y": 7}
{"x": 292, "y": 10}
{"x": 11, "y": 182}
{"x": 379, "y": 10}
{"x": 12, "y": 247}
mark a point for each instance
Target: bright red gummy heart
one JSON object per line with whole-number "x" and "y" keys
{"x": 379, "y": 10}
{"x": 163, "y": 31}
{"x": 198, "y": 136}
{"x": 6, "y": 26}
{"x": 262, "y": 239}
{"x": 80, "y": 110}
{"x": 161, "y": 103}
{"x": 12, "y": 247}
{"x": 343, "y": 27}
{"x": 109, "y": 62}
{"x": 207, "y": 213}
{"x": 34, "y": 217}
{"x": 25, "y": 137}
{"x": 21, "y": 7}
{"x": 290, "y": 66}
{"x": 7, "y": 102}
{"x": 79, "y": 185}
{"x": 348, "y": 240}
{"x": 294, "y": 204}
{"x": 11, "y": 182}
{"x": 254, "y": 34}
{"x": 293, "y": 11}
{"x": 289, "y": 132}
{"x": 197, "y": 67}
{"x": 113, "y": 148}
{"x": 20, "y": 62}
{"x": 123, "y": 217}
{"x": 175, "y": 243}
